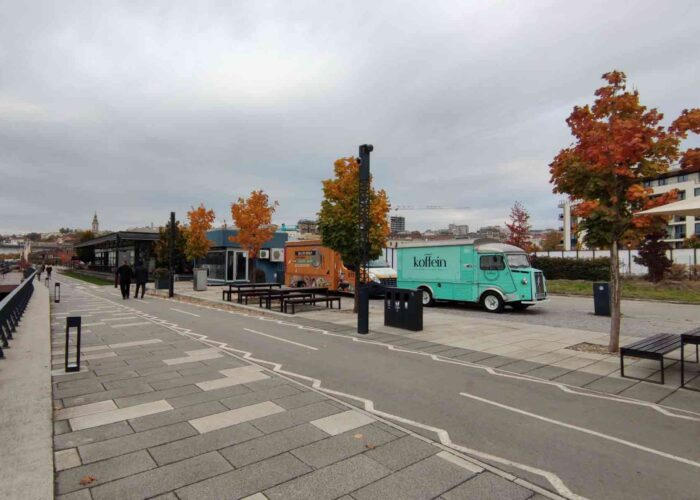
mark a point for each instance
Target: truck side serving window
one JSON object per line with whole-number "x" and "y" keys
{"x": 492, "y": 263}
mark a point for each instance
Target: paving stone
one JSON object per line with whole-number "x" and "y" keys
{"x": 343, "y": 446}
{"x": 684, "y": 399}
{"x": 132, "y": 442}
{"x": 298, "y": 400}
{"x": 77, "y": 495}
{"x": 423, "y": 480}
{"x": 496, "y": 361}
{"x": 548, "y": 372}
{"x": 124, "y": 375}
{"x": 83, "y": 383}
{"x": 234, "y": 417}
{"x": 332, "y": 481}
{"x": 156, "y": 395}
{"x": 612, "y": 385}
{"x": 194, "y": 369}
{"x": 203, "y": 397}
{"x": 125, "y": 382}
{"x": 163, "y": 479}
{"x": 577, "y": 378}
{"x": 342, "y": 422}
{"x": 521, "y": 366}
{"x": 273, "y": 444}
{"x": 249, "y": 398}
{"x": 402, "y": 452}
{"x": 60, "y": 427}
{"x": 436, "y": 348}
{"x": 454, "y": 353}
{"x": 292, "y": 418}
{"x": 488, "y": 485}
{"x": 91, "y": 435}
{"x": 82, "y": 410}
{"x": 203, "y": 443}
{"x": 177, "y": 415}
{"x": 179, "y": 380}
{"x": 105, "y": 395}
{"x": 648, "y": 392}
{"x": 247, "y": 480}
{"x": 66, "y": 459}
{"x": 476, "y": 356}
{"x": 388, "y": 428}
{"x": 107, "y": 470}
{"x": 108, "y": 417}
{"x": 266, "y": 384}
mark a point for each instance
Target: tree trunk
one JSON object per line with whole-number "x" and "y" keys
{"x": 357, "y": 289}
{"x": 614, "y": 344}
{"x": 252, "y": 270}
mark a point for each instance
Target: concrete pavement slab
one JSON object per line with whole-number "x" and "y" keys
{"x": 111, "y": 416}
{"x": 163, "y": 479}
{"x": 177, "y": 415}
{"x": 87, "y": 436}
{"x": 488, "y": 485}
{"x": 296, "y": 416}
{"x": 402, "y": 452}
{"x": 232, "y": 417}
{"x": 247, "y": 480}
{"x": 342, "y": 422}
{"x": 104, "y": 471}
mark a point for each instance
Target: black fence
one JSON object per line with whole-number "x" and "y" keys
{"x": 12, "y": 307}
{"x": 403, "y": 308}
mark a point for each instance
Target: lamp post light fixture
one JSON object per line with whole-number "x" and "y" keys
{"x": 364, "y": 202}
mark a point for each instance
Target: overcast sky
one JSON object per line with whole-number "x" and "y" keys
{"x": 138, "y": 108}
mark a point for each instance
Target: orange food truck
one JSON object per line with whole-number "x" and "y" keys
{"x": 310, "y": 264}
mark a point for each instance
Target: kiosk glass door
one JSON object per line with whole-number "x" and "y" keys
{"x": 236, "y": 265}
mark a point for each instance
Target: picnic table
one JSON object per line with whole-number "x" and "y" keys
{"x": 691, "y": 337}
{"x": 283, "y": 293}
{"x": 226, "y": 294}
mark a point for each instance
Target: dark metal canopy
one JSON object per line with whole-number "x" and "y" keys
{"x": 110, "y": 239}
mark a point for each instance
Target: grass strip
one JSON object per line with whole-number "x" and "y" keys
{"x": 95, "y": 280}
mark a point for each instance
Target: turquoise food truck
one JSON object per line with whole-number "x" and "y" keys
{"x": 482, "y": 271}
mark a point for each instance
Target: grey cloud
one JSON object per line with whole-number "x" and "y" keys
{"x": 135, "y": 109}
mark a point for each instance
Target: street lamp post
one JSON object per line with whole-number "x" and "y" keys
{"x": 171, "y": 252}
{"x": 364, "y": 202}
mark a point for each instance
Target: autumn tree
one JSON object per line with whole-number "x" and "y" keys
{"x": 519, "y": 227}
{"x": 692, "y": 241}
{"x": 552, "y": 240}
{"x": 162, "y": 247}
{"x": 253, "y": 218}
{"x": 339, "y": 218}
{"x": 198, "y": 244}
{"x": 652, "y": 254}
{"x": 618, "y": 144}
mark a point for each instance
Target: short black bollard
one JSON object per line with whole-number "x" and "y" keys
{"x": 73, "y": 322}
{"x": 601, "y": 299}
{"x": 57, "y": 293}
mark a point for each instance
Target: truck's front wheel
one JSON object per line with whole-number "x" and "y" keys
{"x": 428, "y": 300}
{"x": 492, "y": 302}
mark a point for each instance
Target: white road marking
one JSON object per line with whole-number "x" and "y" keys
{"x": 586, "y": 431}
{"x": 185, "y": 312}
{"x": 125, "y": 325}
{"x": 281, "y": 339}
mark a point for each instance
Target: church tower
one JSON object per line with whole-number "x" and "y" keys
{"x": 95, "y": 225}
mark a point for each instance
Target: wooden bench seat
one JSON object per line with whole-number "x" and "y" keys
{"x": 310, "y": 300}
{"x": 654, "y": 347}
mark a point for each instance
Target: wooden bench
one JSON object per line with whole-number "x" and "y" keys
{"x": 654, "y": 347}
{"x": 309, "y": 300}
{"x": 691, "y": 337}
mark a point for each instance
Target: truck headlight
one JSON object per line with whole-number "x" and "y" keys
{"x": 374, "y": 278}
{"x": 524, "y": 281}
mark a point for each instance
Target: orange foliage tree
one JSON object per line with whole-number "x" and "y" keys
{"x": 253, "y": 218}
{"x": 618, "y": 144}
{"x": 339, "y": 218}
{"x": 519, "y": 227}
{"x": 201, "y": 220}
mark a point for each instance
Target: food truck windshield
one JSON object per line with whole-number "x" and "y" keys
{"x": 378, "y": 263}
{"x": 518, "y": 260}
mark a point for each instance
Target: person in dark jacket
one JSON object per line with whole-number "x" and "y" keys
{"x": 125, "y": 274}
{"x": 141, "y": 275}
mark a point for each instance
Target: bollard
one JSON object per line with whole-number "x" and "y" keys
{"x": 57, "y": 293}
{"x": 73, "y": 322}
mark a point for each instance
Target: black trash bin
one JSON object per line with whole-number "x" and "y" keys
{"x": 601, "y": 298}
{"x": 403, "y": 308}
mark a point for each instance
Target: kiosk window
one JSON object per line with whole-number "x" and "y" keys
{"x": 491, "y": 263}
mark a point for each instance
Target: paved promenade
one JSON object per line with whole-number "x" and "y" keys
{"x": 156, "y": 413}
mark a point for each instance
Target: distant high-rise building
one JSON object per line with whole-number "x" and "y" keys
{"x": 95, "y": 225}
{"x": 458, "y": 229}
{"x": 397, "y": 224}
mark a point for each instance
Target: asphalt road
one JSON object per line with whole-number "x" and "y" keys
{"x": 594, "y": 447}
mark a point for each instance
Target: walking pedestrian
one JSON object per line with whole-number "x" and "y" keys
{"x": 141, "y": 275}
{"x": 48, "y": 272}
{"x": 125, "y": 273}
{"x": 40, "y": 270}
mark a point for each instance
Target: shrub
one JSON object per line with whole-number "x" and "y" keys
{"x": 694, "y": 272}
{"x": 161, "y": 272}
{"x": 677, "y": 272}
{"x": 557, "y": 268}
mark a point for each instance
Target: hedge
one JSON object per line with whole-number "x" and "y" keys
{"x": 559, "y": 268}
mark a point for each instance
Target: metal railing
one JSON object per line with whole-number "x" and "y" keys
{"x": 12, "y": 307}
